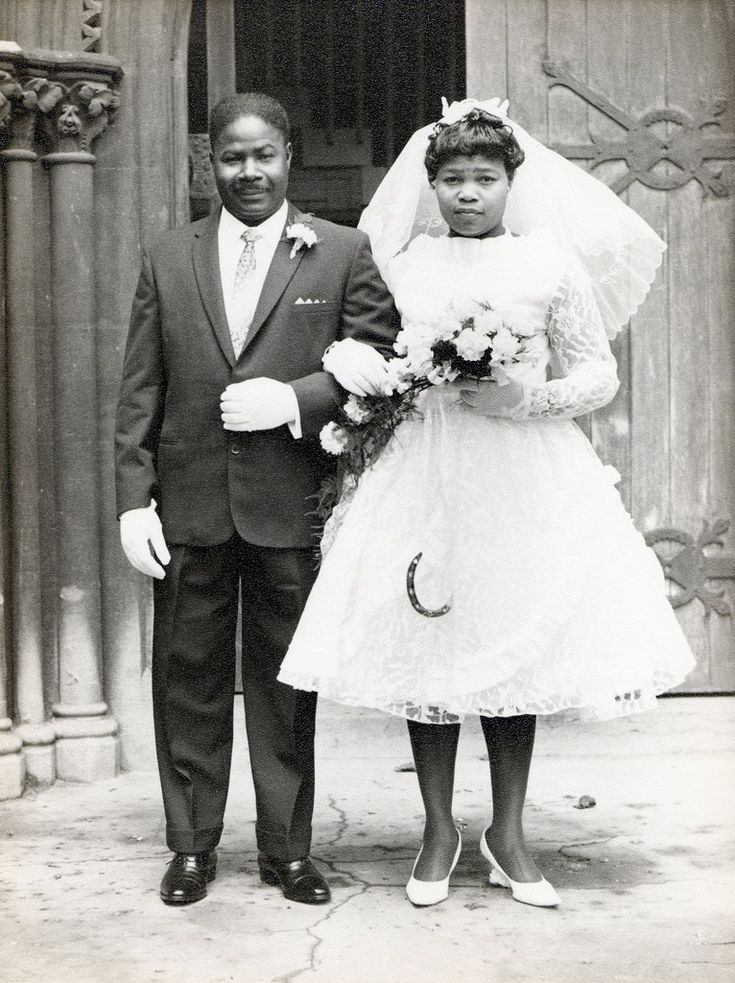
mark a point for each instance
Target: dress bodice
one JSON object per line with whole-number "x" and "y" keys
{"x": 542, "y": 289}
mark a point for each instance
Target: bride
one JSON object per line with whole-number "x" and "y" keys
{"x": 534, "y": 593}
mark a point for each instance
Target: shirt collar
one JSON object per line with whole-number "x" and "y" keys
{"x": 270, "y": 229}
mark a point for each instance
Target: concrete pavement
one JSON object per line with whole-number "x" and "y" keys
{"x": 646, "y": 875}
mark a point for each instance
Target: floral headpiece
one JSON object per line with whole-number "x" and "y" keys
{"x": 492, "y": 111}
{"x": 458, "y": 110}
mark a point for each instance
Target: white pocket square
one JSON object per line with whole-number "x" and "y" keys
{"x": 309, "y": 300}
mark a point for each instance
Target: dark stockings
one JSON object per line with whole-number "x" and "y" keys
{"x": 510, "y": 746}
{"x": 509, "y": 743}
{"x": 434, "y": 749}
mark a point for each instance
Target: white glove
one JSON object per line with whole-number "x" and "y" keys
{"x": 358, "y": 368}
{"x": 141, "y": 535}
{"x": 258, "y": 404}
{"x": 490, "y": 398}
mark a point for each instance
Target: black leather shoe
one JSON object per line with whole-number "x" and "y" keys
{"x": 298, "y": 879}
{"x": 187, "y": 876}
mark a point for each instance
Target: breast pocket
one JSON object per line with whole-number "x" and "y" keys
{"x": 325, "y": 310}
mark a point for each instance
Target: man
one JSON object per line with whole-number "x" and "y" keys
{"x": 222, "y": 400}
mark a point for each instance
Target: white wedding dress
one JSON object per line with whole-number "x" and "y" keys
{"x": 556, "y": 604}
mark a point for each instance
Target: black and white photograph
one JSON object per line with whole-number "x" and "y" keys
{"x": 367, "y": 491}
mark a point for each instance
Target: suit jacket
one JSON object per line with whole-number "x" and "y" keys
{"x": 170, "y": 443}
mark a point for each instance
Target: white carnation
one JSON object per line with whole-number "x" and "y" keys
{"x": 400, "y": 345}
{"x": 428, "y": 334}
{"x": 419, "y": 366}
{"x": 356, "y": 410}
{"x": 413, "y": 336}
{"x": 333, "y": 439}
{"x": 398, "y": 377}
{"x": 448, "y": 330}
{"x": 299, "y": 230}
{"x": 471, "y": 345}
{"x": 505, "y": 345}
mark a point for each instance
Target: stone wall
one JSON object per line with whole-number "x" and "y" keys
{"x": 94, "y": 162}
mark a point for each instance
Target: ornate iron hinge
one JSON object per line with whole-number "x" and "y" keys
{"x": 690, "y": 568}
{"x": 688, "y": 146}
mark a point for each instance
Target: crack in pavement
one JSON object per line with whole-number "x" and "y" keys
{"x": 311, "y": 931}
{"x": 343, "y": 821}
{"x": 361, "y": 886}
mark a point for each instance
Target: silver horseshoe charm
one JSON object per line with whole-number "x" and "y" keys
{"x": 411, "y": 588}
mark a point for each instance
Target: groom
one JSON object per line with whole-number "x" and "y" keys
{"x": 217, "y": 459}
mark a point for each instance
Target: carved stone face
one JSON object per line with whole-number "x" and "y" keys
{"x": 471, "y": 193}
{"x": 251, "y": 161}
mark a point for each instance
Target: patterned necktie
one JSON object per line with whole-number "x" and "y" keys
{"x": 243, "y": 275}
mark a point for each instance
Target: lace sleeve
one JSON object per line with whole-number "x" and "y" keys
{"x": 581, "y": 358}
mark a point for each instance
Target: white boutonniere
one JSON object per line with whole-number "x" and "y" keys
{"x": 302, "y": 234}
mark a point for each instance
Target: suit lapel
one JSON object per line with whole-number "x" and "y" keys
{"x": 205, "y": 254}
{"x": 279, "y": 276}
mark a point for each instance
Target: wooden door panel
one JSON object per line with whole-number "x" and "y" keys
{"x": 671, "y": 429}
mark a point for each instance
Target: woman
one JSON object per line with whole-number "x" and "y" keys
{"x": 534, "y": 592}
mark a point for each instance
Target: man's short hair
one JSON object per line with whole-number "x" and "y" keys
{"x": 258, "y": 104}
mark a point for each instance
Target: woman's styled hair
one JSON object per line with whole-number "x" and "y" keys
{"x": 479, "y": 133}
{"x": 257, "y": 104}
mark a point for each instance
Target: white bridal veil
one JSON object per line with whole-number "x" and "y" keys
{"x": 619, "y": 251}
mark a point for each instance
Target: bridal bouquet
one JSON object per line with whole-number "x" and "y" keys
{"x": 471, "y": 339}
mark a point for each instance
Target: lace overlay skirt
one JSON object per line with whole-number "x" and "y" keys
{"x": 556, "y": 604}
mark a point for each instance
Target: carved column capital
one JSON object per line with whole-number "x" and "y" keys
{"x": 9, "y": 91}
{"x": 83, "y": 112}
{"x": 74, "y": 96}
{"x": 22, "y": 99}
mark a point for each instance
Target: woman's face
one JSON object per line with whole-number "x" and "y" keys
{"x": 471, "y": 192}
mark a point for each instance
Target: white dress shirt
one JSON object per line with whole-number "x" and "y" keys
{"x": 229, "y": 240}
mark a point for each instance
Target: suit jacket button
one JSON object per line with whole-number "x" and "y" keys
{"x": 234, "y": 449}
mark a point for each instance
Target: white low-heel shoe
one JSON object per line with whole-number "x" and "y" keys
{"x": 424, "y": 893}
{"x": 538, "y": 893}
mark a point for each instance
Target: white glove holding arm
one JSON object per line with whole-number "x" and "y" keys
{"x": 141, "y": 535}
{"x": 259, "y": 404}
{"x": 490, "y": 398}
{"x": 358, "y": 368}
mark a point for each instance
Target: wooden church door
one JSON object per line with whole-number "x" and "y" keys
{"x": 642, "y": 94}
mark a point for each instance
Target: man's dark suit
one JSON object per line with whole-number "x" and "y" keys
{"x": 235, "y": 503}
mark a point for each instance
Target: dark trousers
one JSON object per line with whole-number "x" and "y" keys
{"x": 195, "y": 618}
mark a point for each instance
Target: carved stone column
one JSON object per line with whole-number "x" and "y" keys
{"x": 87, "y": 742}
{"x": 22, "y": 94}
{"x": 12, "y": 760}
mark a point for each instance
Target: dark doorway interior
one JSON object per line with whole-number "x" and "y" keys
{"x": 356, "y": 76}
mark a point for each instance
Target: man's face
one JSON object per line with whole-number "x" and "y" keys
{"x": 251, "y": 160}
